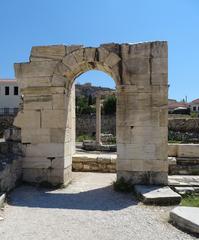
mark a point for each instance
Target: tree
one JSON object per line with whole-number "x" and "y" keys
{"x": 90, "y": 100}
{"x": 82, "y": 106}
{"x": 109, "y": 105}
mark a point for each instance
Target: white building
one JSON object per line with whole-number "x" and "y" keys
{"x": 195, "y": 105}
{"x": 9, "y": 96}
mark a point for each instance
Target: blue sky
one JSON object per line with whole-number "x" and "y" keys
{"x": 24, "y": 23}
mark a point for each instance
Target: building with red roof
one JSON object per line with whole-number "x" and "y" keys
{"x": 194, "y": 105}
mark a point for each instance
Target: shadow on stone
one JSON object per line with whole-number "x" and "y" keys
{"x": 102, "y": 199}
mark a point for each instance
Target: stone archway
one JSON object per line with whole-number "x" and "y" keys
{"x": 47, "y": 118}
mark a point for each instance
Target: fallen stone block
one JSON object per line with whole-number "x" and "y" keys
{"x": 157, "y": 195}
{"x": 186, "y": 218}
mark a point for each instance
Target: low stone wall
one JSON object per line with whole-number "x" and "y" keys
{"x": 10, "y": 165}
{"x": 94, "y": 163}
{"x": 86, "y": 124}
{"x": 184, "y": 125}
{"x": 183, "y": 150}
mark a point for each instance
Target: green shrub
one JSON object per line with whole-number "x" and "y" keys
{"x": 190, "y": 201}
{"x": 121, "y": 185}
{"x": 194, "y": 114}
{"x": 81, "y": 138}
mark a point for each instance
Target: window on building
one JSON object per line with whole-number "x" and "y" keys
{"x": 194, "y": 108}
{"x": 6, "y": 110}
{"x": 7, "y": 90}
{"x": 16, "y": 90}
{"x": 16, "y": 110}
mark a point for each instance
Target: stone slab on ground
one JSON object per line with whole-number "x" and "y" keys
{"x": 186, "y": 218}
{"x": 2, "y": 199}
{"x": 182, "y": 180}
{"x": 157, "y": 195}
{"x": 186, "y": 190}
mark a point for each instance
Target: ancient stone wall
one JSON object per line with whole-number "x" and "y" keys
{"x": 47, "y": 119}
{"x": 86, "y": 124}
{"x": 184, "y": 125}
{"x": 94, "y": 163}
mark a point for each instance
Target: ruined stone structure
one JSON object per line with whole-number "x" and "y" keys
{"x": 47, "y": 120}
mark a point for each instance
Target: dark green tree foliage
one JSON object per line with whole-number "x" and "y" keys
{"x": 90, "y": 100}
{"x": 109, "y": 105}
{"x": 83, "y": 107}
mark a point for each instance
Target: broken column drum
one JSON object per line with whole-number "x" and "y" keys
{"x": 47, "y": 120}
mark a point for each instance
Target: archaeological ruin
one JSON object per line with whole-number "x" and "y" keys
{"x": 47, "y": 117}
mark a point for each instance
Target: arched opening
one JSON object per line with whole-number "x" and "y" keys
{"x": 95, "y": 122}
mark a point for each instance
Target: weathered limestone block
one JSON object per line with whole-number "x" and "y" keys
{"x": 42, "y": 91}
{"x": 58, "y": 80}
{"x": 144, "y": 177}
{"x": 55, "y": 176}
{"x": 139, "y": 165}
{"x": 53, "y": 118}
{"x": 159, "y": 96}
{"x": 159, "y": 49}
{"x": 103, "y": 54}
{"x": 37, "y": 102}
{"x": 28, "y": 119}
{"x": 159, "y": 65}
{"x": 112, "y": 47}
{"x": 163, "y": 117}
{"x": 141, "y": 151}
{"x": 139, "y": 50}
{"x": 72, "y": 48}
{"x": 35, "y": 69}
{"x": 138, "y": 118}
{"x": 57, "y": 135}
{"x": 159, "y": 79}
{"x": 89, "y": 54}
{"x": 137, "y": 66}
{"x": 35, "y": 135}
{"x": 112, "y": 59}
{"x": 172, "y": 150}
{"x": 47, "y": 52}
{"x": 70, "y": 62}
{"x": 79, "y": 55}
{"x": 43, "y": 162}
{"x": 45, "y": 150}
{"x": 188, "y": 150}
{"x": 59, "y": 101}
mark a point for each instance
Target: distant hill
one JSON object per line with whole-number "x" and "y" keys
{"x": 87, "y": 89}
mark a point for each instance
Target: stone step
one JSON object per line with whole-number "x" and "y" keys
{"x": 186, "y": 218}
{"x": 184, "y": 169}
{"x": 187, "y": 161}
{"x": 183, "y": 181}
{"x": 186, "y": 190}
{"x": 157, "y": 195}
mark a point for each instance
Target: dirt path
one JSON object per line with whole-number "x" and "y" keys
{"x": 87, "y": 209}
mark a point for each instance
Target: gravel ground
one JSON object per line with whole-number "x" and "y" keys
{"x": 87, "y": 209}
